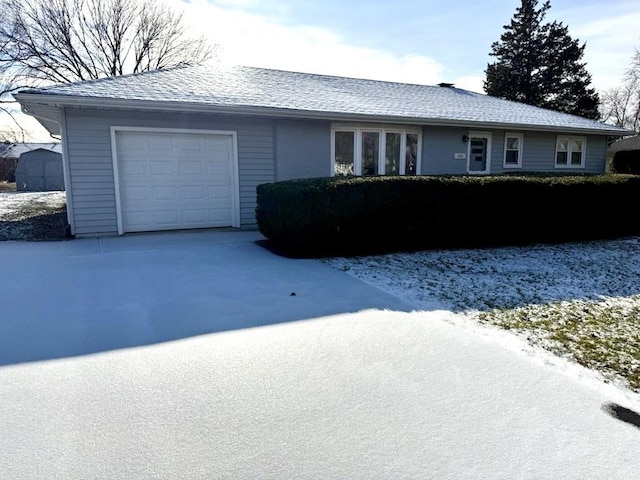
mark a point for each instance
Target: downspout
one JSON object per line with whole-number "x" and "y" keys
{"x": 67, "y": 172}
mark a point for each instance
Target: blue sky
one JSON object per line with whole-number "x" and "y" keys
{"x": 423, "y": 41}
{"x": 415, "y": 41}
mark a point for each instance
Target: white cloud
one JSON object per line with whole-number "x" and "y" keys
{"x": 611, "y": 38}
{"x": 255, "y": 40}
{"x": 473, "y": 83}
{"x": 274, "y": 40}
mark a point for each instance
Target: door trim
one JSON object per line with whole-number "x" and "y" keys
{"x": 235, "y": 181}
{"x": 487, "y": 136}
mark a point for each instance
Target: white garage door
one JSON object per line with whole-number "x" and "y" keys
{"x": 175, "y": 180}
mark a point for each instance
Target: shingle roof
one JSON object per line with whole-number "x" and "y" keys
{"x": 258, "y": 88}
{"x": 14, "y": 150}
{"x": 626, "y": 144}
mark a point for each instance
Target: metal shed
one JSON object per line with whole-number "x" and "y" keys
{"x": 39, "y": 170}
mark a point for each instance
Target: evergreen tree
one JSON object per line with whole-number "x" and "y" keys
{"x": 540, "y": 64}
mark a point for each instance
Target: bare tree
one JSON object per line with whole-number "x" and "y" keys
{"x": 60, "y": 41}
{"x": 620, "y": 105}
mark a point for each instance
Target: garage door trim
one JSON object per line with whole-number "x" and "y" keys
{"x": 235, "y": 182}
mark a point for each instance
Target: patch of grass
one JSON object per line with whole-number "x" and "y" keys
{"x": 7, "y": 187}
{"x": 39, "y": 219}
{"x": 600, "y": 335}
{"x": 35, "y": 208}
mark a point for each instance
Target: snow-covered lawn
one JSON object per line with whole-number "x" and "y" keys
{"x": 580, "y": 301}
{"x": 19, "y": 205}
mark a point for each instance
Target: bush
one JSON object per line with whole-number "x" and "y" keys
{"x": 364, "y": 215}
{"x": 8, "y": 169}
{"x": 626, "y": 162}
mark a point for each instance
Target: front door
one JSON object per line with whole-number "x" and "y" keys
{"x": 479, "y": 152}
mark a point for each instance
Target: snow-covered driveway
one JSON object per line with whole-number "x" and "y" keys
{"x": 185, "y": 355}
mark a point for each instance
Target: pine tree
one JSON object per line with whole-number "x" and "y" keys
{"x": 540, "y": 64}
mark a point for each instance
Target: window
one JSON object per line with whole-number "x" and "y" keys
{"x": 375, "y": 151}
{"x": 344, "y": 152}
{"x": 570, "y": 152}
{"x": 370, "y": 152}
{"x": 512, "y": 150}
{"x": 411, "y": 155}
{"x": 392, "y": 155}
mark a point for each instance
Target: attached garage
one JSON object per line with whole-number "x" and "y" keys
{"x": 185, "y": 148}
{"x": 175, "y": 179}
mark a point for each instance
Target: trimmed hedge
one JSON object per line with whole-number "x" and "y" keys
{"x": 364, "y": 215}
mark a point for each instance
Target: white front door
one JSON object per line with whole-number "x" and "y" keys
{"x": 479, "y": 153}
{"x": 169, "y": 180}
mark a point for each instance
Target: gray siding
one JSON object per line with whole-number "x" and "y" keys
{"x": 439, "y": 145}
{"x": 91, "y": 165}
{"x": 596, "y": 154}
{"x": 303, "y": 149}
{"x": 539, "y": 150}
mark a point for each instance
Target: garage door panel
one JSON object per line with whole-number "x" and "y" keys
{"x": 160, "y": 143}
{"x": 190, "y": 144}
{"x": 221, "y": 169}
{"x": 166, "y": 218}
{"x": 216, "y": 144}
{"x": 190, "y": 192}
{"x": 134, "y": 168}
{"x": 164, "y": 193}
{"x": 191, "y": 168}
{"x": 194, "y": 217}
{"x": 130, "y": 194}
{"x": 166, "y": 167}
{"x": 132, "y": 142}
{"x": 219, "y": 216}
{"x": 219, "y": 193}
{"x": 174, "y": 180}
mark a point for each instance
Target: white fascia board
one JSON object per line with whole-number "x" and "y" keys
{"x": 27, "y": 99}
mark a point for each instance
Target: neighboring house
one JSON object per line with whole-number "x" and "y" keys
{"x": 39, "y": 170}
{"x": 10, "y": 153}
{"x": 626, "y": 145}
{"x": 626, "y": 153}
{"x": 186, "y": 147}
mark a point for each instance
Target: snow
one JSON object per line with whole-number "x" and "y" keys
{"x": 186, "y": 356}
{"x": 574, "y": 276}
{"x": 478, "y": 279}
{"x": 12, "y": 203}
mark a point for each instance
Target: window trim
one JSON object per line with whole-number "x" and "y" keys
{"x": 520, "y": 138}
{"x": 570, "y": 139}
{"x": 382, "y": 131}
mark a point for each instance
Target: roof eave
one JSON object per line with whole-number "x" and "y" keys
{"x": 30, "y": 99}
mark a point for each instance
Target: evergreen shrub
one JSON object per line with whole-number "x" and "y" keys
{"x": 366, "y": 215}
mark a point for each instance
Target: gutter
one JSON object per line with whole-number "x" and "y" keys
{"x": 64, "y": 101}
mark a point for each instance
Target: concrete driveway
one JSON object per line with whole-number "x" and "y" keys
{"x": 203, "y": 355}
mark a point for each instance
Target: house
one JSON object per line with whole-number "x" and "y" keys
{"x": 627, "y": 149}
{"x": 186, "y": 147}
{"x": 39, "y": 170}
{"x": 10, "y": 153}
